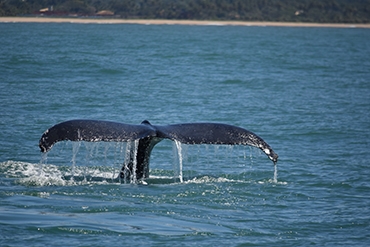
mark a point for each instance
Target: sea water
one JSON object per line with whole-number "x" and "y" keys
{"x": 305, "y": 91}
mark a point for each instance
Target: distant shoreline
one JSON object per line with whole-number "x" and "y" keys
{"x": 176, "y": 22}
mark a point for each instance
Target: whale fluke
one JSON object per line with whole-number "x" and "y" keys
{"x": 149, "y": 135}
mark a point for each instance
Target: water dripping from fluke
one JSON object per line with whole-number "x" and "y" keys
{"x": 134, "y": 163}
{"x": 43, "y": 160}
{"x": 179, "y": 154}
{"x": 80, "y": 174}
{"x": 275, "y": 173}
{"x": 142, "y": 138}
{"x": 128, "y": 172}
{"x": 75, "y": 147}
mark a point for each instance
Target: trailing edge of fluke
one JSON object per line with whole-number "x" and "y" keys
{"x": 149, "y": 135}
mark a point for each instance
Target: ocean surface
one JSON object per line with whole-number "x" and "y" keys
{"x": 305, "y": 91}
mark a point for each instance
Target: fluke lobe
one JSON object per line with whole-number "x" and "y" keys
{"x": 148, "y": 136}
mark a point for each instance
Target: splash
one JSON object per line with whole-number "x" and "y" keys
{"x": 32, "y": 174}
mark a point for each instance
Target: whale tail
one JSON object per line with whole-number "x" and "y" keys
{"x": 149, "y": 135}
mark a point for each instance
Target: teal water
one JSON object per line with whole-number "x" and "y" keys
{"x": 305, "y": 91}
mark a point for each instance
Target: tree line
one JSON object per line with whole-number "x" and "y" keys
{"x": 334, "y": 11}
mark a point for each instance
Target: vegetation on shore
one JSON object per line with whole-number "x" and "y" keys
{"x": 328, "y": 11}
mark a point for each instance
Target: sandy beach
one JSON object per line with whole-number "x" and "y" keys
{"x": 176, "y": 22}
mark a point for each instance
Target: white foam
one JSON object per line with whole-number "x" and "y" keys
{"x": 31, "y": 174}
{"x": 208, "y": 179}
